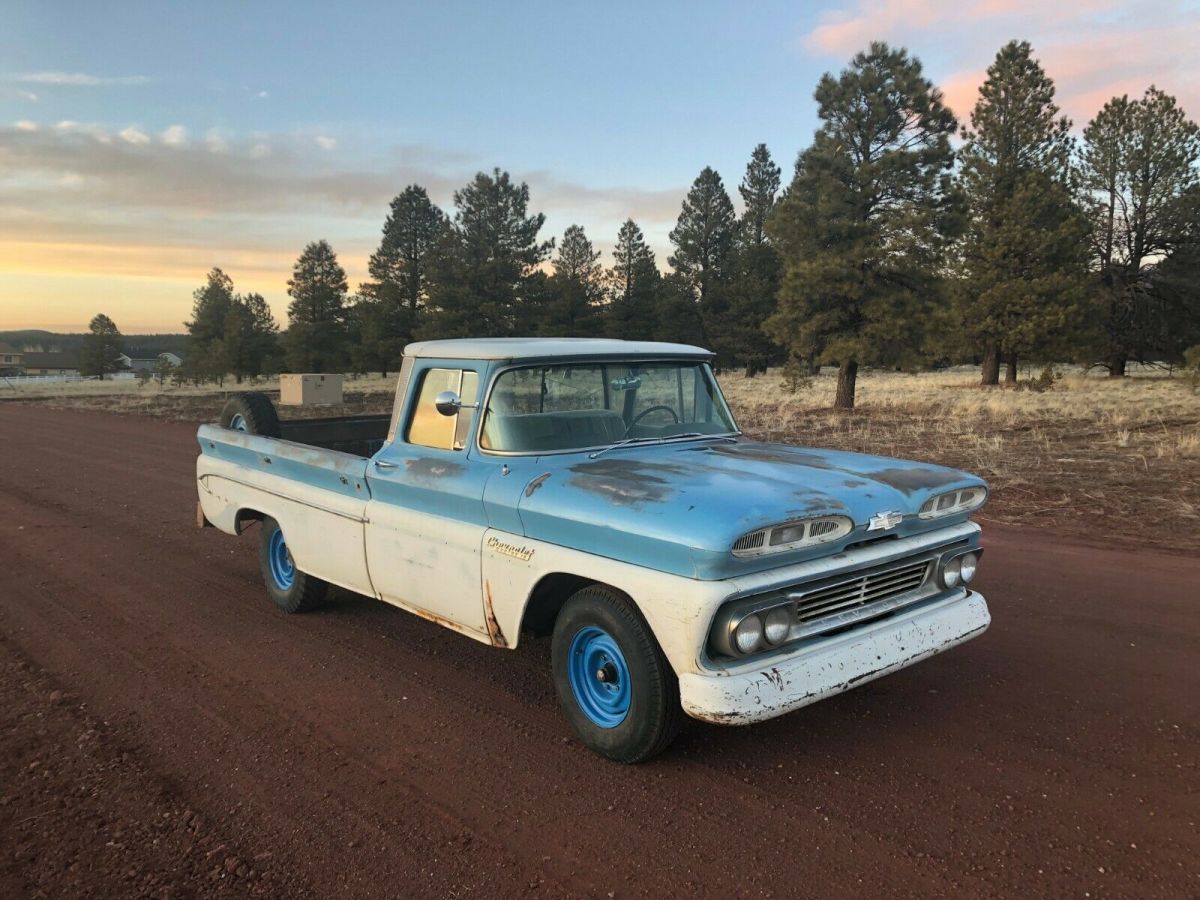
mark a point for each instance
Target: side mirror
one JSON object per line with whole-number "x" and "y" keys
{"x": 448, "y": 403}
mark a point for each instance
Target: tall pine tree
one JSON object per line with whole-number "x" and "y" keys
{"x": 756, "y": 268}
{"x": 483, "y": 263}
{"x": 634, "y": 283}
{"x": 703, "y": 237}
{"x": 1024, "y": 250}
{"x": 1141, "y": 183}
{"x": 576, "y": 289}
{"x": 316, "y": 335}
{"x": 865, "y": 224}
{"x": 388, "y": 313}
{"x": 102, "y": 345}
{"x": 204, "y": 358}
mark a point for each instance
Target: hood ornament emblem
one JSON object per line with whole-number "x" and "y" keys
{"x": 885, "y": 520}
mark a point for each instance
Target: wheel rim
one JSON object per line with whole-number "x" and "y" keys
{"x": 238, "y": 423}
{"x": 283, "y": 570}
{"x": 599, "y": 677}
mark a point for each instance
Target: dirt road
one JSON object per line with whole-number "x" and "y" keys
{"x": 164, "y": 730}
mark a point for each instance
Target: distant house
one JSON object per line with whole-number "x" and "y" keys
{"x": 10, "y": 360}
{"x": 56, "y": 363}
{"x": 148, "y": 363}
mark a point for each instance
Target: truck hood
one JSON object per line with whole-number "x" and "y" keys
{"x": 680, "y": 507}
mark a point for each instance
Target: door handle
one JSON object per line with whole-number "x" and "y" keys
{"x": 384, "y": 464}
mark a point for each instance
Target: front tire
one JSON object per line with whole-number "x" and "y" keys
{"x": 291, "y": 590}
{"x": 614, "y": 685}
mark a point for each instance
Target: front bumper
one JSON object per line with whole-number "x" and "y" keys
{"x": 832, "y": 665}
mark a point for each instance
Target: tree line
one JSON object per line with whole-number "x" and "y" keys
{"x": 903, "y": 239}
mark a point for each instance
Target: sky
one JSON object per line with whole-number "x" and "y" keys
{"x": 143, "y": 143}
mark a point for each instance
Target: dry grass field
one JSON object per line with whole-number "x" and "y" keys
{"x": 1115, "y": 461}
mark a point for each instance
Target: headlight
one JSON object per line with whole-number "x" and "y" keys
{"x": 792, "y": 535}
{"x": 749, "y": 633}
{"x": 952, "y": 572}
{"x": 967, "y": 564}
{"x": 777, "y": 625}
{"x": 952, "y": 502}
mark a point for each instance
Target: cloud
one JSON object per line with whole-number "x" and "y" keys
{"x": 79, "y": 204}
{"x": 78, "y": 79}
{"x": 174, "y": 136}
{"x": 132, "y": 135}
{"x": 1093, "y": 49}
{"x": 325, "y": 142}
{"x": 25, "y": 125}
{"x": 263, "y": 95}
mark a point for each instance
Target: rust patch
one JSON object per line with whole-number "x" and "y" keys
{"x": 427, "y": 469}
{"x": 915, "y": 478}
{"x": 629, "y": 482}
{"x": 489, "y": 615}
{"x": 531, "y": 488}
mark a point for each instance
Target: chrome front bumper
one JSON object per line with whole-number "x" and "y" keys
{"x": 767, "y": 688}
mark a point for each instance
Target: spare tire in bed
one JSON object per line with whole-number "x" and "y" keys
{"x": 251, "y": 412}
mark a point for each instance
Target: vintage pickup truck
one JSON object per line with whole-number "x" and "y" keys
{"x": 600, "y": 492}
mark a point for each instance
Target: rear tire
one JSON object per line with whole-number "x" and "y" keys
{"x": 290, "y": 589}
{"x": 614, "y": 684}
{"x": 251, "y": 412}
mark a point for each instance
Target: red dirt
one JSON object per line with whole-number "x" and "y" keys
{"x": 163, "y": 731}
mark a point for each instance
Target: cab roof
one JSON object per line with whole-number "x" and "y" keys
{"x": 508, "y": 349}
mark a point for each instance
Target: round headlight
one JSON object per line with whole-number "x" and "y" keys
{"x": 967, "y": 564}
{"x": 749, "y": 634}
{"x": 777, "y": 625}
{"x": 952, "y": 573}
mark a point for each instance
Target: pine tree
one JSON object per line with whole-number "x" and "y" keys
{"x": 703, "y": 238}
{"x": 634, "y": 284}
{"x": 316, "y": 335}
{"x": 1023, "y": 253}
{"x": 102, "y": 347}
{"x": 864, "y": 227}
{"x": 205, "y": 356}
{"x": 756, "y": 266}
{"x": 575, "y": 291}
{"x": 251, "y": 337}
{"x": 1141, "y": 184}
{"x": 393, "y": 302}
{"x": 481, "y": 265}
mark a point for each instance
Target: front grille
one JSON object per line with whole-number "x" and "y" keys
{"x": 859, "y": 591}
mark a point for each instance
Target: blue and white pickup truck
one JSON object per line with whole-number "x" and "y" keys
{"x": 600, "y": 492}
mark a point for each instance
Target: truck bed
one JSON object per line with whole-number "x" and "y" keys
{"x": 358, "y": 435}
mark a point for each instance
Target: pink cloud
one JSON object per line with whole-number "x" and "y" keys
{"x": 1093, "y": 49}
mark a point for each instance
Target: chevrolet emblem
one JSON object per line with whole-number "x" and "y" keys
{"x": 885, "y": 520}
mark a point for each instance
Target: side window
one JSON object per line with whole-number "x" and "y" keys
{"x": 428, "y": 427}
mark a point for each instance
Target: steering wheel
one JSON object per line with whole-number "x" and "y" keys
{"x": 646, "y": 412}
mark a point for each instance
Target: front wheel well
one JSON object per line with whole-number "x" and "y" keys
{"x": 547, "y": 598}
{"x": 243, "y": 517}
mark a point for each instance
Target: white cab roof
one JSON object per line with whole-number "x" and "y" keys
{"x": 547, "y": 348}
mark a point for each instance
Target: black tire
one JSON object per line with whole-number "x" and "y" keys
{"x": 251, "y": 412}
{"x": 654, "y": 714}
{"x": 302, "y": 592}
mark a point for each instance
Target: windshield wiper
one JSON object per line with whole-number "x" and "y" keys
{"x": 661, "y": 439}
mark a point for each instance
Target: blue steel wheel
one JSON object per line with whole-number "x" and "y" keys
{"x": 291, "y": 589}
{"x": 599, "y": 677}
{"x": 283, "y": 569}
{"x": 615, "y": 687}
{"x": 238, "y": 422}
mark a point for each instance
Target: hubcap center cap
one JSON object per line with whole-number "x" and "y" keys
{"x": 607, "y": 673}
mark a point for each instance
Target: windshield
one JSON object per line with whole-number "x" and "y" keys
{"x": 539, "y": 409}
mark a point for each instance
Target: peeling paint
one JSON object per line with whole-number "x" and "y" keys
{"x": 430, "y": 469}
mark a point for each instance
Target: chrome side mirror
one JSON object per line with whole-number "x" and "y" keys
{"x": 448, "y": 403}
